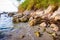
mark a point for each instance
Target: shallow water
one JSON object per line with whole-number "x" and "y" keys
{"x": 5, "y": 22}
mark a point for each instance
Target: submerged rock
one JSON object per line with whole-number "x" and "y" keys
{"x": 11, "y": 14}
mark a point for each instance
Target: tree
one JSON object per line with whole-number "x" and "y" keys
{"x": 37, "y": 4}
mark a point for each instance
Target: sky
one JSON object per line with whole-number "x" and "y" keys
{"x": 9, "y": 5}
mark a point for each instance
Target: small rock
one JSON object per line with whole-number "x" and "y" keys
{"x": 33, "y": 14}
{"x": 54, "y": 27}
{"x": 43, "y": 25}
{"x": 26, "y": 12}
{"x": 37, "y": 34}
{"x": 22, "y": 36}
{"x": 53, "y": 34}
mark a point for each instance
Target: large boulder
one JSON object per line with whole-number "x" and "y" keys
{"x": 56, "y": 15}
{"x": 49, "y": 11}
{"x": 39, "y": 13}
{"x": 38, "y": 19}
{"x": 26, "y": 12}
{"x": 23, "y": 19}
{"x": 16, "y": 18}
{"x": 51, "y": 8}
{"x": 32, "y": 22}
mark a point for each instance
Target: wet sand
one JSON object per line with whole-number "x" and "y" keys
{"x": 23, "y": 31}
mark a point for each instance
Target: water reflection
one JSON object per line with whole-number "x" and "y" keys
{"x": 5, "y": 22}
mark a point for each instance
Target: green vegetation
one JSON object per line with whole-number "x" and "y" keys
{"x": 37, "y": 4}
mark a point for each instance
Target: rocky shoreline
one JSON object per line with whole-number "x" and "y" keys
{"x": 35, "y": 25}
{"x": 47, "y": 17}
{"x": 47, "y": 20}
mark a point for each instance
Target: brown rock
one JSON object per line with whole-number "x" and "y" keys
{"x": 15, "y": 20}
{"x": 38, "y": 19}
{"x": 54, "y": 27}
{"x": 43, "y": 25}
{"x": 33, "y": 14}
{"x": 32, "y": 22}
{"x": 49, "y": 11}
{"x": 26, "y": 12}
{"x": 57, "y": 17}
{"x": 23, "y": 19}
{"x": 51, "y": 8}
{"x": 37, "y": 34}
{"x": 39, "y": 13}
{"x": 10, "y": 14}
{"x": 31, "y": 18}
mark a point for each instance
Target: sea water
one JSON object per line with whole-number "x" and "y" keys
{"x": 5, "y": 22}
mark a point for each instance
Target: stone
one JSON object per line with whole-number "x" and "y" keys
{"x": 39, "y": 13}
{"x": 43, "y": 24}
{"x": 26, "y": 12}
{"x": 18, "y": 15}
{"x": 11, "y": 14}
{"x": 32, "y": 22}
{"x": 57, "y": 17}
{"x": 22, "y": 36}
{"x": 56, "y": 14}
{"x": 38, "y": 19}
{"x": 54, "y": 27}
{"x": 31, "y": 18}
{"x": 23, "y": 19}
{"x": 51, "y": 8}
{"x": 49, "y": 11}
{"x": 37, "y": 34}
{"x": 33, "y": 14}
{"x": 15, "y": 20}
